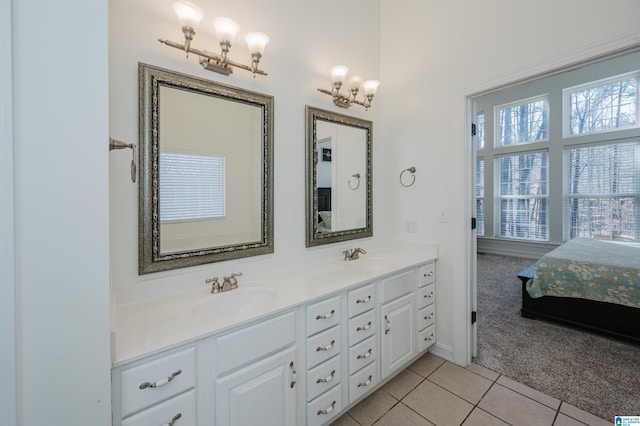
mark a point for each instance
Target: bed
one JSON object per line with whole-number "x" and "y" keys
{"x": 590, "y": 283}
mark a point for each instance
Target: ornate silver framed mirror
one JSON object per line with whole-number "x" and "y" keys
{"x": 206, "y": 171}
{"x": 339, "y": 191}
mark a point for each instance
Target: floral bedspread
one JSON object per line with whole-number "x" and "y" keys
{"x": 589, "y": 269}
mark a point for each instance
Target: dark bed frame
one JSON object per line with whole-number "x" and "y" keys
{"x": 603, "y": 317}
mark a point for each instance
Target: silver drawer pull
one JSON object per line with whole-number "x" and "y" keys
{"x": 326, "y": 348}
{"x": 173, "y": 420}
{"x": 364, "y": 327}
{"x": 429, "y": 274}
{"x": 327, "y": 410}
{"x": 366, "y": 382}
{"x": 365, "y": 355}
{"x": 429, "y": 317}
{"x": 429, "y": 338}
{"x": 387, "y": 325}
{"x": 328, "y": 378}
{"x": 430, "y": 295}
{"x": 365, "y": 300}
{"x": 326, "y": 316}
{"x": 161, "y": 382}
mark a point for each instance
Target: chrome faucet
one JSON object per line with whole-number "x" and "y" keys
{"x": 228, "y": 283}
{"x": 353, "y": 254}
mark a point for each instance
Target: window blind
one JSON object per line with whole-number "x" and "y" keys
{"x": 191, "y": 186}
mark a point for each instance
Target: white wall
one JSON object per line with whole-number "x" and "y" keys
{"x": 305, "y": 41}
{"x": 61, "y": 212}
{"x": 435, "y": 53}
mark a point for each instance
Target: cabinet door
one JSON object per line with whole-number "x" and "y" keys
{"x": 398, "y": 333}
{"x": 263, "y": 393}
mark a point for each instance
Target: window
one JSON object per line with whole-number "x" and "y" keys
{"x": 480, "y": 196}
{"x": 602, "y": 191}
{"x": 522, "y": 122}
{"x": 601, "y": 106}
{"x": 191, "y": 186}
{"x": 522, "y": 196}
{"x": 480, "y": 131}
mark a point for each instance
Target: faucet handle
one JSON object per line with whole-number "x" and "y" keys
{"x": 215, "y": 287}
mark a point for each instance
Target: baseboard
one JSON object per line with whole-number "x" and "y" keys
{"x": 442, "y": 351}
{"x": 516, "y": 248}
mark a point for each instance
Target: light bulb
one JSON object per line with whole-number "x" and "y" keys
{"x": 338, "y": 73}
{"x": 370, "y": 87}
{"x": 256, "y": 42}
{"x": 226, "y": 29}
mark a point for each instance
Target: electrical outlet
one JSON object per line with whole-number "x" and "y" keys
{"x": 443, "y": 214}
{"x": 412, "y": 226}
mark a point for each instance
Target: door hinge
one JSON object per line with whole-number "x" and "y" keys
{"x": 473, "y": 223}
{"x": 474, "y": 317}
{"x": 473, "y": 129}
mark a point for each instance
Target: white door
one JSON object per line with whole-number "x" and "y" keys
{"x": 398, "y": 333}
{"x": 264, "y": 393}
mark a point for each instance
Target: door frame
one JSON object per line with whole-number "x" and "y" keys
{"x": 611, "y": 47}
{"x": 7, "y": 242}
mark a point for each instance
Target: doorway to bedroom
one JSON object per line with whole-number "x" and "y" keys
{"x": 556, "y": 158}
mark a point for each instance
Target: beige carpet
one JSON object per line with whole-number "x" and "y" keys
{"x": 599, "y": 374}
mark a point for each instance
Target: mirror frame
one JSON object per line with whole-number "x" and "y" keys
{"x": 315, "y": 238}
{"x": 150, "y": 259}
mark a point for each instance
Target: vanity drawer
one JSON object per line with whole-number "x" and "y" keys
{"x": 426, "y": 295}
{"x": 427, "y": 274}
{"x": 325, "y": 407}
{"x": 362, "y": 381}
{"x": 361, "y": 300}
{"x": 255, "y": 341}
{"x": 362, "y": 327}
{"x": 426, "y": 316}
{"x": 427, "y": 337}
{"x": 157, "y": 380}
{"x": 362, "y": 354}
{"x": 397, "y": 286}
{"x": 322, "y": 315}
{"x": 323, "y": 377}
{"x": 323, "y": 346}
{"x": 180, "y": 409}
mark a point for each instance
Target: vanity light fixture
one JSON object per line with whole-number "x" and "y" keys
{"x": 338, "y": 77}
{"x": 190, "y": 15}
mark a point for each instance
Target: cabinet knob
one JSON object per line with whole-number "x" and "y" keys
{"x": 366, "y": 382}
{"x": 326, "y": 348}
{"x": 365, "y": 300}
{"x": 328, "y": 378}
{"x": 327, "y": 315}
{"x": 364, "y": 327}
{"x": 293, "y": 375}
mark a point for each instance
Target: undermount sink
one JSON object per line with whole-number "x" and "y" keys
{"x": 235, "y": 301}
{"x": 371, "y": 263}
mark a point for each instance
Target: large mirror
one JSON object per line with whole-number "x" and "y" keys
{"x": 206, "y": 171}
{"x": 338, "y": 177}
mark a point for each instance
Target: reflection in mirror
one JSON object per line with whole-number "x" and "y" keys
{"x": 206, "y": 171}
{"x": 338, "y": 177}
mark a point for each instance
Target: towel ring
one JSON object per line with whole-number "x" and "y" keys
{"x": 116, "y": 144}
{"x": 411, "y": 170}
{"x": 357, "y": 176}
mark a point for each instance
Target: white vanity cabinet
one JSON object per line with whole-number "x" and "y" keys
{"x": 256, "y": 374}
{"x": 426, "y": 298}
{"x": 363, "y": 340}
{"x": 397, "y": 318}
{"x": 323, "y": 360}
{"x": 158, "y": 390}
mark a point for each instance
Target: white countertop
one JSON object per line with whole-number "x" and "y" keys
{"x": 151, "y": 326}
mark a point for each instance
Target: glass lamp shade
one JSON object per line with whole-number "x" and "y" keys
{"x": 338, "y": 73}
{"x": 189, "y": 14}
{"x": 226, "y": 29}
{"x": 370, "y": 87}
{"x": 355, "y": 81}
{"x": 256, "y": 42}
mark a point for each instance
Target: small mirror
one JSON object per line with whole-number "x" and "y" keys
{"x": 338, "y": 177}
{"x": 206, "y": 175}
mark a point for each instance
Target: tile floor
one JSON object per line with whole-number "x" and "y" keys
{"x": 433, "y": 391}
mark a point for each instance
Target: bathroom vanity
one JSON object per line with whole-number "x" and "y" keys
{"x": 292, "y": 346}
